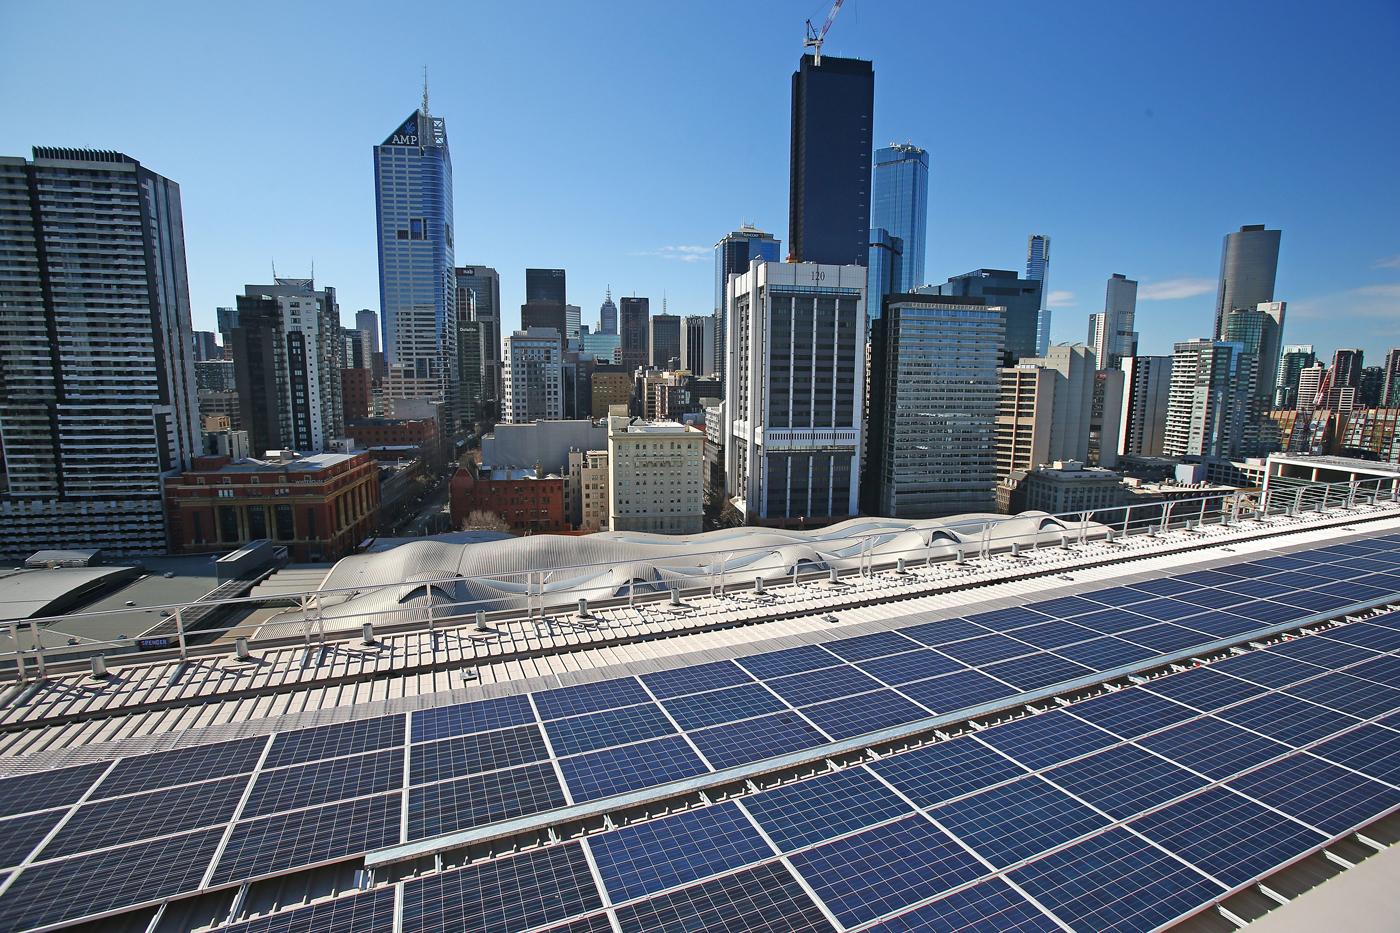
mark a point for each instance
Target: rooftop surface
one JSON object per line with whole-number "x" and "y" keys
{"x": 1109, "y": 736}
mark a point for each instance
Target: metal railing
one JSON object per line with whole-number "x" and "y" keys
{"x": 560, "y": 599}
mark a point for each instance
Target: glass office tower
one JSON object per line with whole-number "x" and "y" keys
{"x": 732, "y": 257}
{"x": 886, "y": 267}
{"x": 1038, "y": 268}
{"x": 900, "y": 206}
{"x": 829, "y": 201}
{"x": 1248, "y": 266}
{"x": 417, "y": 279}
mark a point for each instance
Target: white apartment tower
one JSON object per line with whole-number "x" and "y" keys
{"x": 1146, "y": 394}
{"x": 533, "y": 377}
{"x": 1111, "y": 331}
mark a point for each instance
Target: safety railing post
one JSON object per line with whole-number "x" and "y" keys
{"x": 19, "y": 653}
{"x": 1166, "y": 516}
{"x": 305, "y": 622}
{"x": 180, "y": 633}
{"x": 38, "y": 651}
{"x": 1326, "y": 491}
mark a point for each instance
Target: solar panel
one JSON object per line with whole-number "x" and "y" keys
{"x": 1318, "y": 793}
{"x": 325, "y": 782}
{"x": 1003, "y": 620}
{"x": 992, "y": 906}
{"x": 648, "y": 857}
{"x": 1046, "y": 739}
{"x": 1206, "y": 578}
{"x": 1366, "y": 635}
{"x": 1284, "y": 562}
{"x": 695, "y": 679}
{"x": 765, "y": 897}
{"x": 1118, "y": 596}
{"x": 590, "y": 698}
{"x": 610, "y": 727}
{"x": 52, "y": 892}
{"x": 308, "y": 837}
{"x": 788, "y": 661}
{"x": 1169, "y": 609}
{"x": 1323, "y": 652}
{"x": 1382, "y": 670}
{"x": 615, "y": 770}
{"x": 1287, "y": 719}
{"x": 958, "y": 690}
{"x": 912, "y": 665}
{"x": 1349, "y": 694}
{"x": 865, "y": 647}
{"x": 19, "y": 835}
{"x": 986, "y": 649}
{"x": 1258, "y": 589}
{"x": 598, "y": 923}
{"x": 1111, "y": 621}
{"x": 1018, "y": 820}
{"x": 1131, "y": 713}
{"x": 513, "y": 893}
{"x": 1214, "y": 599}
{"x": 1036, "y": 670}
{"x": 1214, "y": 748}
{"x": 1370, "y": 750}
{"x": 1167, "y": 638}
{"x": 45, "y": 789}
{"x": 824, "y": 807}
{"x": 344, "y": 738}
{"x": 943, "y": 632}
{"x": 1267, "y": 668}
{"x": 1204, "y": 688}
{"x": 1066, "y": 606}
{"x": 466, "y": 718}
{"x": 754, "y": 739}
{"x": 1105, "y": 653}
{"x": 1313, "y": 601}
{"x": 1232, "y": 838}
{"x": 360, "y": 913}
{"x": 1247, "y": 570}
{"x": 868, "y": 712}
{"x": 1115, "y": 882}
{"x": 1167, "y": 586}
{"x": 1125, "y": 780}
{"x": 156, "y": 813}
{"x": 1054, "y": 634}
{"x": 472, "y": 754}
{"x": 434, "y": 809}
{"x": 885, "y": 869}
{"x": 816, "y": 686}
{"x": 197, "y": 763}
{"x": 708, "y": 709}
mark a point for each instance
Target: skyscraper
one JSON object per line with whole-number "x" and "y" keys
{"x": 1260, "y": 331}
{"x": 485, "y": 285}
{"x": 732, "y": 257}
{"x": 534, "y": 376}
{"x": 1210, "y": 399}
{"x": 664, "y": 339}
{"x": 793, "y": 405}
{"x": 886, "y": 267}
{"x": 829, "y": 204}
{"x": 607, "y": 315}
{"x": 698, "y": 343}
{"x": 900, "y": 206}
{"x": 1020, "y": 297}
{"x": 633, "y": 314}
{"x": 1111, "y": 331}
{"x": 1146, "y": 397}
{"x": 417, "y": 277}
{"x": 1390, "y": 386}
{"x": 549, "y": 314}
{"x": 1346, "y": 367}
{"x": 1038, "y": 268}
{"x": 206, "y": 346}
{"x": 546, "y": 285}
{"x": 1371, "y": 387}
{"x": 1292, "y": 361}
{"x": 97, "y": 363}
{"x": 1248, "y": 266}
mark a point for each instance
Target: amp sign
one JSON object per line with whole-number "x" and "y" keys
{"x": 405, "y": 135}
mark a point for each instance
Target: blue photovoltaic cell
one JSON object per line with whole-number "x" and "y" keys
{"x": 1234, "y": 839}
{"x": 989, "y": 907}
{"x": 309, "y": 837}
{"x": 765, "y": 897}
{"x": 1370, "y": 750}
{"x": 1167, "y": 586}
{"x": 708, "y": 709}
{"x": 1112, "y": 621}
{"x": 1284, "y": 562}
{"x": 869, "y": 712}
{"x": 1124, "y": 781}
{"x": 885, "y": 869}
{"x": 1106, "y": 653}
{"x": 822, "y": 808}
{"x": 912, "y": 665}
{"x": 197, "y": 763}
{"x": 754, "y": 739}
{"x": 1366, "y": 635}
{"x": 1066, "y": 606}
{"x": 865, "y": 647}
{"x": 958, "y": 690}
{"x": 1036, "y": 670}
{"x": 1287, "y": 719}
{"x": 1167, "y": 638}
{"x": 610, "y": 727}
{"x": 472, "y": 754}
{"x": 1358, "y": 592}
{"x": 1018, "y": 820}
{"x": 343, "y": 738}
{"x": 656, "y": 854}
{"x": 1214, "y": 748}
{"x": 157, "y": 813}
{"x": 325, "y": 782}
{"x": 1318, "y": 793}
{"x": 45, "y": 789}
{"x": 515, "y": 893}
{"x": 987, "y": 649}
{"x": 1214, "y": 599}
{"x": 1228, "y": 625}
{"x": 360, "y": 913}
{"x": 466, "y": 718}
{"x": 1115, "y": 882}
{"x": 1262, "y": 613}
{"x": 695, "y": 679}
{"x": 1255, "y": 589}
{"x": 1046, "y": 739}
{"x": 1166, "y": 609}
{"x": 598, "y": 923}
{"x": 615, "y": 770}
{"x": 1313, "y": 601}
{"x": 55, "y": 892}
{"x": 1118, "y": 596}
{"x": 1131, "y": 713}
{"x": 1002, "y": 620}
{"x": 1349, "y": 694}
{"x": 1207, "y": 578}
{"x": 589, "y": 698}
{"x": 816, "y": 686}
{"x": 1382, "y": 670}
{"x": 940, "y": 772}
{"x": 788, "y": 661}
{"x": 1204, "y": 688}
{"x": 1304, "y": 579}
{"x": 434, "y": 809}
{"x": 1267, "y": 668}
{"x": 20, "y": 834}
{"x": 1054, "y": 634}
{"x": 943, "y": 632}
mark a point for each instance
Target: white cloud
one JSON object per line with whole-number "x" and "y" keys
{"x": 1370, "y": 301}
{"x": 1061, "y": 300}
{"x": 683, "y": 253}
{"x": 1390, "y": 262}
{"x": 1175, "y": 288}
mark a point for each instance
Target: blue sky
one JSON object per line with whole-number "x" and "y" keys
{"x": 621, "y": 140}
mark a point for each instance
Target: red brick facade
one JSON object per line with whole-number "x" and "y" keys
{"x": 528, "y": 505}
{"x": 354, "y": 393}
{"x": 387, "y": 432}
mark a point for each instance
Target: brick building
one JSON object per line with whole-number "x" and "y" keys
{"x": 528, "y": 504}
{"x": 394, "y": 432}
{"x": 355, "y": 394}
{"x": 319, "y": 506}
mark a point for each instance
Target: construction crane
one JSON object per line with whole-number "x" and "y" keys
{"x": 814, "y": 39}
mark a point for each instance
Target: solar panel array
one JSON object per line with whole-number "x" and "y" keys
{"x": 1117, "y": 813}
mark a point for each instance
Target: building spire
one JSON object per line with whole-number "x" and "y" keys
{"x": 425, "y": 90}
{"x": 609, "y": 295}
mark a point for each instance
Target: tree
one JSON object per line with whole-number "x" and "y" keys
{"x": 484, "y": 520}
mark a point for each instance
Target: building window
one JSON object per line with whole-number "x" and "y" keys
{"x": 228, "y": 523}
{"x": 286, "y": 529}
{"x": 257, "y": 522}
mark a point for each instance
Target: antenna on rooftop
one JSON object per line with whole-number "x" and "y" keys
{"x": 425, "y": 90}
{"x": 274, "y": 270}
